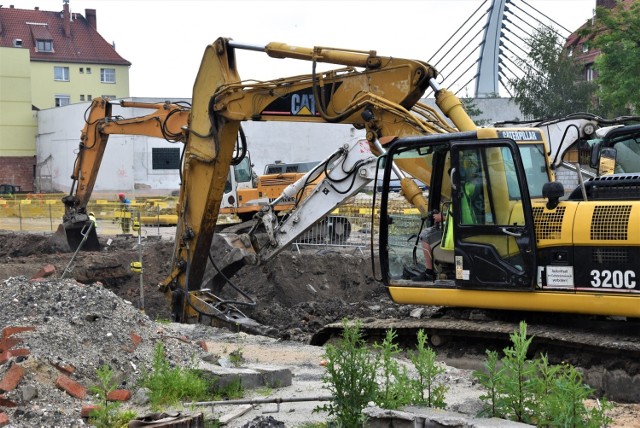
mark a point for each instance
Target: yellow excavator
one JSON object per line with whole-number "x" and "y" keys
{"x": 511, "y": 243}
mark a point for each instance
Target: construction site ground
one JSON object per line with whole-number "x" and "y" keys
{"x": 296, "y": 294}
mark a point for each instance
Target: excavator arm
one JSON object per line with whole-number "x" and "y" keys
{"x": 379, "y": 94}
{"x": 168, "y": 121}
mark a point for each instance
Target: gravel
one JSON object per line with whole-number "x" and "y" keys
{"x": 80, "y": 326}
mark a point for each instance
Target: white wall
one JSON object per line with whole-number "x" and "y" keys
{"x": 127, "y": 162}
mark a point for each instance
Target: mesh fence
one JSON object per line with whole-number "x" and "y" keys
{"x": 354, "y": 224}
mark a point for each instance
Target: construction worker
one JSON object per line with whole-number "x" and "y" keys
{"x": 125, "y": 219}
{"x": 430, "y": 237}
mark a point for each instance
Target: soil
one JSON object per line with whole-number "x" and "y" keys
{"x": 296, "y": 293}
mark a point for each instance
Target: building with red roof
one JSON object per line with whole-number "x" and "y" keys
{"x": 48, "y": 59}
{"x": 581, "y": 48}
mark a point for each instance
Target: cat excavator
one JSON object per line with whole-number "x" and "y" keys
{"x": 509, "y": 242}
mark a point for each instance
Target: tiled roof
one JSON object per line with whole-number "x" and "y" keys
{"x": 85, "y": 44}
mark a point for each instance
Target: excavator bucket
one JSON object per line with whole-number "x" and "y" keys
{"x": 77, "y": 236}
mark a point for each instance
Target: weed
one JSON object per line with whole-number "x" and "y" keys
{"x": 106, "y": 414}
{"x": 395, "y": 390}
{"x": 350, "y": 376}
{"x": 236, "y": 358}
{"x": 233, "y": 390}
{"x": 424, "y": 360}
{"x": 169, "y": 385}
{"x": 264, "y": 391}
{"x": 534, "y": 391}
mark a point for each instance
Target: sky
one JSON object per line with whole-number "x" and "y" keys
{"x": 165, "y": 39}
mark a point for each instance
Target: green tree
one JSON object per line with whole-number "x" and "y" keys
{"x": 552, "y": 84}
{"x": 617, "y": 35}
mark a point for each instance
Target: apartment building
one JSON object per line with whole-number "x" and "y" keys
{"x": 48, "y": 59}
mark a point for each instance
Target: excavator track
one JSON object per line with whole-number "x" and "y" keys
{"x": 608, "y": 351}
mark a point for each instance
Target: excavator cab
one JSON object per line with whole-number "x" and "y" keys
{"x": 489, "y": 231}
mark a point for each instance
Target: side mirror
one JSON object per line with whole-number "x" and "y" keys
{"x": 595, "y": 155}
{"x": 607, "y": 161}
{"x": 553, "y": 191}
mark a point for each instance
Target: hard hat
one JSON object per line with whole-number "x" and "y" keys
{"x": 91, "y": 214}
{"x": 121, "y": 195}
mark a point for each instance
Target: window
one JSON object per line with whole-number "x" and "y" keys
{"x": 62, "y": 100}
{"x": 570, "y": 53}
{"x": 88, "y": 70}
{"x": 165, "y": 158}
{"x": 61, "y": 74}
{"x": 45, "y": 46}
{"x": 589, "y": 73}
{"x": 107, "y": 75}
{"x": 81, "y": 70}
{"x": 89, "y": 97}
{"x": 585, "y": 47}
{"x": 81, "y": 97}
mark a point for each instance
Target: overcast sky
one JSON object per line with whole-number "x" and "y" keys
{"x": 165, "y": 39}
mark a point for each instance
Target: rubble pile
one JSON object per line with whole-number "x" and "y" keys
{"x": 55, "y": 334}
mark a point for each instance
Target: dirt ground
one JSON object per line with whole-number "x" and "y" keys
{"x": 296, "y": 293}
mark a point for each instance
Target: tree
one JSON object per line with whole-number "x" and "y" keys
{"x": 552, "y": 85}
{"x": 617, "y": 35}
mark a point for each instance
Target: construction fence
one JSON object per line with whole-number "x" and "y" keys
{"x": 352, "y": 225}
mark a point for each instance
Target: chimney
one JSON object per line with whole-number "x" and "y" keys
{"x": 91, "y": 18}
{"x": 67, "y": 19}
{"x": 36, "y": 8}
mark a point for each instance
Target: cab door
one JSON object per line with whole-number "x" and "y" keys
{"x": 493, "y": 231}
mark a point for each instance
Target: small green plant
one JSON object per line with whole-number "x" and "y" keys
{"x": 350, "y": 376}
{"x": 424, "y": 360}
{"x": 169, "y": 385}
{"x": 106, "y": 414}
{"x": 233, "y": 390}
{"x": 236, "y": 358}
{"x": 265, "y": 391}
{"x": 490, "y": 380}
{"x": 536, "y": 392}
{"x": 517, "y": 374}
{"x": 395, "y": 389}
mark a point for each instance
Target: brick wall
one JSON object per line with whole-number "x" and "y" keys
{"x": 19, "y": 171}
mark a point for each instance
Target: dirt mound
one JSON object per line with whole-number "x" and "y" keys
{"x": 296, "y": 293}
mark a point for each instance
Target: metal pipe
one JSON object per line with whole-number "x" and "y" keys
{"x": 276, "y": 400}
